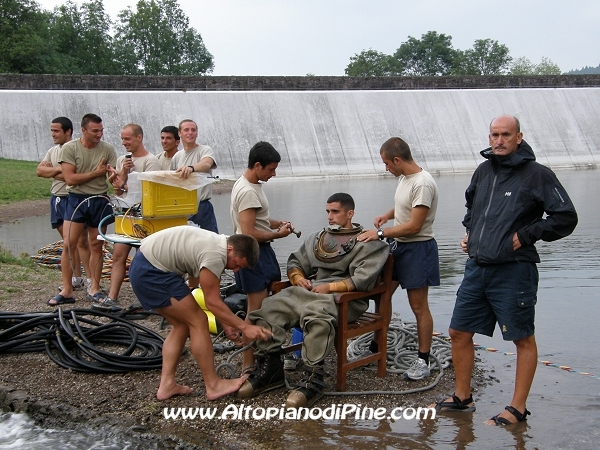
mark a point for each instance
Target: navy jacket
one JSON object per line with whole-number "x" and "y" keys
{"x": 512, "y": 193}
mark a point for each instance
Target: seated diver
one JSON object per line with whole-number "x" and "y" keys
{"x": 328, "y": 262}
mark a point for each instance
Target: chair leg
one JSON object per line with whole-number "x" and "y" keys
{"x": 382, "y": 348}
{"x": 340, "y": 348}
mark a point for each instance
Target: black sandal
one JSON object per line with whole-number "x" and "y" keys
{"x": 456, "y": 405}
{"x": 515, "y": 412}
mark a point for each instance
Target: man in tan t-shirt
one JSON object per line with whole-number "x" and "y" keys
{"x": 416, "y": 260}
{"x": 137, "y": 160}
{"x": 156, "y": 275}
{"x": 85, "y": 163}
{"x": 61, "y": 129}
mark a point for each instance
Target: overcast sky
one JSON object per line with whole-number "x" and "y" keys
{"x": 296, "y": 37}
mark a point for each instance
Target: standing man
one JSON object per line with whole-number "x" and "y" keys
{"x": 196, "y": 158}
{"x": 138, "y": 160}
{"x": 85, "y": 163}
{"x": 329, "y": 261}
{"x": 250, "y": 215}
{"x": 416, "y": 261}
{"x": 157, "y": 272}
{"x": 169, "y": 139}
{"x": 512, "y": 202}
{"x": 61, "y": 129}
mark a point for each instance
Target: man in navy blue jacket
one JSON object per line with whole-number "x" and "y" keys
{"x": 506, "y": 202}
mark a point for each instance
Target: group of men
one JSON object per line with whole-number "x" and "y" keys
{"x": 512, "y": 202}
{"x": 82, "y": 170}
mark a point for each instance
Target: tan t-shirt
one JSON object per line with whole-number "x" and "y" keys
{"x": 418, "y": 189}
{"x": 186, "y": 249}
{"x": 86, "y": 160}
{"x": 165, "y": 163}
{"x": 58, "y": 188}
{"x": 146, "y": 163}
{"x": 185, "y": 158}
{"x": 246, "y": 195}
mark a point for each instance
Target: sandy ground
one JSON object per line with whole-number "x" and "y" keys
{"x": 126, "y": 403}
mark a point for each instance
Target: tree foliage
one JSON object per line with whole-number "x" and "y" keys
{"x": 156, "y": 39}
{"x": 153, "y": 39}
{"x": 487, "y": 57}
{"x": 24, "y": 37}
{"x": 523, "y": 66}
{"x": 82, "y": 38}
{"x": 432, "y": 55}
{"x": 371, "y": 63}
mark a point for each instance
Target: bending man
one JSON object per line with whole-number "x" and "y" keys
{"x": 156, "y": 276}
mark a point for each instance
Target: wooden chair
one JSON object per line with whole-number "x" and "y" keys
{"x": 377, "y": 321}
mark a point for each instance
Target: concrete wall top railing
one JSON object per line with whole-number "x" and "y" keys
{"x": 270, "y": 83}
{"x": 321, "y": 132}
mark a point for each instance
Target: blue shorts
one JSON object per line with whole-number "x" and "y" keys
{"x": 85, "y": 209}
{"x": 58, "y": 204}
{"x": 153, "y": 287}
{"x": 416, "y": 264}
{"x": 205, "y": 217}
{"x": 502, "y": 293}
{"x": 263, "y": 274}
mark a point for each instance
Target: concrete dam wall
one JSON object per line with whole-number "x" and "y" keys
{"x": 322, "y": 133}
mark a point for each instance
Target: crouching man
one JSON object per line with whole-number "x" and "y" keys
{"x": 328, "y": 262}
{"x": 156, "y": 276}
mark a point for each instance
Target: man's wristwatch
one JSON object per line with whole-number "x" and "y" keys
{"x": 192, "y": 167}
{"x": 123, "y": 187}
{"x": 380, "y": 234}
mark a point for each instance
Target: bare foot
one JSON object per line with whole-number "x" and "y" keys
{"x": 168, "y": 392}
{"x": 224, "y": 387}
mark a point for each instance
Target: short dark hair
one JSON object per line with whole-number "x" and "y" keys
{"x": 173, "y": 130}
{"x": 135, "y": 128}
{"x": 65, "y": 123}
{"x": 396, "y": 148}
{"x": 245, "y": 246}
{"x": 345, "y": 200}
{"x": 264, "y": 154}
{"x": 90, "y": 118}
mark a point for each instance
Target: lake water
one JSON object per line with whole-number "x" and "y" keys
{"x": 565, "y": 405}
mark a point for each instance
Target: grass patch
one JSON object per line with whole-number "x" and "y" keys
{"x": 18, "y": 181}
{"x": 24, "y": 260}
{"x": 20, "y": 273}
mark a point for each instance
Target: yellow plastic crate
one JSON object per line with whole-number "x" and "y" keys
{"x": 139, "y": 227}
{"x": 161, "y": 200}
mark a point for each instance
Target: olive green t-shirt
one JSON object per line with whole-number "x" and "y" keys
{"x": 86, "y": 160}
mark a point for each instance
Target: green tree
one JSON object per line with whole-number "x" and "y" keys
{"x": 432, "y": 55}
{"x": 25, "y": 46}
{"x": 523, "y": 66}
{"x": 371, "y": 63}
{"x": 487, "y": 57}
{"x": 82, "y": 38}
{"x": 547, "y": 67}
{"x": 156, "y": 39}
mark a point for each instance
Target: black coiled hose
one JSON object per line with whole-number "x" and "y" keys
{"x": 78, "y": 340}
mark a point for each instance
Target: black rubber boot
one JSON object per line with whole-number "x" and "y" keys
{"x": 309, "y": 389}
{"x": 268, "y": 375}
